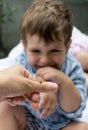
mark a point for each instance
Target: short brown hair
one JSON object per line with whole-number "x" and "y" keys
{"x": 48, "y": 19}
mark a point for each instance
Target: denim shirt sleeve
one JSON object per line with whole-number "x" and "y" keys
{"x": 74, "y": 70}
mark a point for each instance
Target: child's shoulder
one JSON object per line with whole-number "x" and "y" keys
{"x": 71, "y": 65}
{"x": 71, "y": 59}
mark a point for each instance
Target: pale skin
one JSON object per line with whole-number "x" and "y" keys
{"x": 48, "y": 103}
{"x": 47, "y": 61}
{"x": 16, "y": 84}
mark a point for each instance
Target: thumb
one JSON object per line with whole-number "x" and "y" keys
{"x": 48, "y": 87}
{"x": 43, "y": 86}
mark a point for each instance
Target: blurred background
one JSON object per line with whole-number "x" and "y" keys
{"x": 11, "y": 12}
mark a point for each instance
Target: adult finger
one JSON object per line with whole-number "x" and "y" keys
{"x": 35, "y": 86}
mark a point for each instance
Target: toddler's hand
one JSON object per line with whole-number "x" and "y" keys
{"x": 33, "y": 100}
{"x": 48, "y": 103}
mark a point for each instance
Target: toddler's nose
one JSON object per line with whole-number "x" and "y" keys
{"x": 44, "y": 61}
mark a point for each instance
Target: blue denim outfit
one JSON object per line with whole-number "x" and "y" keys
{"x": 59, "y": 118}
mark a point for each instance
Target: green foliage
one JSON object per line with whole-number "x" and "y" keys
{"x": 85, "y": 1}
{"x": 2, "y": 54}
{"x": 8, "y": 14}
{"x": 5, "y": 16}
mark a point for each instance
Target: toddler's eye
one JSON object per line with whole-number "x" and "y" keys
{"x": 35, "y": 51}
{"x": 55, "y": 50}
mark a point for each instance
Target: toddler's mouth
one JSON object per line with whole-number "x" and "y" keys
{"x": 54, "y": 66}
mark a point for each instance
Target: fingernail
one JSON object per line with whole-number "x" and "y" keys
{"x": 53, "y": 85}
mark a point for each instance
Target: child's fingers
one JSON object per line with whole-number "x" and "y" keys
{"x": 49, "y": 108}
{"x": 42, "y": 104}
{"x": 33, "y": 100}
{"x": 42, "y": 100}
{"x": 34, "y": 105}
{"x": 46, "y": 110}
{"x": 49, "y": 111}
{"x": 39, "y": 78}
{"x": 33, "y": 96}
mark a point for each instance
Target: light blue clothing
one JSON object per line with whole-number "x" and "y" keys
{"x": 59, "y": 118}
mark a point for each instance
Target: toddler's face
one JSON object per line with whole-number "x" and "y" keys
{"x": 41, "y": 54}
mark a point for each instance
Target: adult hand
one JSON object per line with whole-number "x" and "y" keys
{"x": 17, "y": 81}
